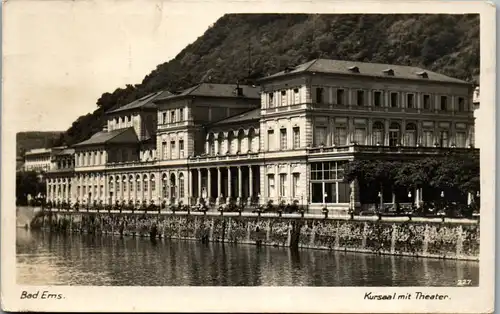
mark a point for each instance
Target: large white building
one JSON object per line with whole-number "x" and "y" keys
{"x": 286, "y": 140}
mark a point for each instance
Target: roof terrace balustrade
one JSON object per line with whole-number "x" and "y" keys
{"x": 388, "y": 150}
{"x": 212, "y": 158}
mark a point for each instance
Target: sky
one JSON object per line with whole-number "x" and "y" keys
{"x": 61, "y": 56}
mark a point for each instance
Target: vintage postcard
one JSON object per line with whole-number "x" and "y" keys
{"x": 248, "y": 156}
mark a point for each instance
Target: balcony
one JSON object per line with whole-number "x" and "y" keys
{"x": 401, "y": 150}
{"x": 174, "y": 125}
{"x": 217, "y": 158}
{"x": 131, "y": 164}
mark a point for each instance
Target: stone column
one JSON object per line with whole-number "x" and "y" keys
{"x": 219, "y": 186}
{"x": 67, "y": 196}
{"x": 240, "y": 188}
{"x": 200, "y": 197}
{"x": 190, "y": 188}
{"x": 290, "y": 183}
{"x": 229, "y": 184}
{"x": 150, "y": 193}
{"x": 354, "y": 196}
{"x": 209, "y": 185}
{"x": 250, "y": 183}
{"x": 386, "y": 133}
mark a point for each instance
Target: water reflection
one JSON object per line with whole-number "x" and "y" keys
{"x": 48, "y": 259}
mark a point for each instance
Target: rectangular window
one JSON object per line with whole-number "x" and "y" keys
{"x": 283, "y": 98}
{"x": 410, "y": 138}
{"x": 296, "y": 96}
{"x": 296, "y": 137}
{"x": 394, "y": 100}
{"x": 340, "y": 97}
{"x": 181, "y": 149}
{"x": 181, "y": 114}
{"x": 410, "y": 101}
{"x": 427, "y": 102}
{"x": 270, "y": 140}
{"x": 340, "y": 136}
{"x": 319, "y": 95}
{"x": 164, "y": 118}
{"x": 172, "y": 149}
{"x": 320, "y": 136}
{"x": 270, "y": 185}
{"x": 444, "y": 103}
{"x": 360, "y": 99}
{"x": 271, "y": 100}
{"x": 461, "y": 104}
{"x": 181, "y": 188}
{"x": 295, "y": 184}
{"x": 327, "y": 184}
{"x": 283, "y": 139}
{"x": 360, "y": 136}
{"x": 427, "y": 139}
{"x": 377, "y": 99}
{"x": 172, "y": 117}
{"x": 283, "y": 185}
{"x": 164, "y": 149}
{"x": 443, "y": 138}
{"x": 460, "y": 139}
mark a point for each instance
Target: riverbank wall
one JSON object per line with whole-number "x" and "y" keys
{"x": 418, "y": 237}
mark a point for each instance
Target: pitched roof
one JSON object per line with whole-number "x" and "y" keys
{"x": 66, "y": 151}
{"x": 215, "y": 90}
{"x": 143, "y": 102}
{"x": 119, "y": 136}
{"x": 366, "y": 69}
{"x": 253, "y": 114}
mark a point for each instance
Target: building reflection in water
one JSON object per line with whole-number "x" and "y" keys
{"x": 45, "y": 259}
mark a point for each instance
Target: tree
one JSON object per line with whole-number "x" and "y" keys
{"x": 28, "y": 183}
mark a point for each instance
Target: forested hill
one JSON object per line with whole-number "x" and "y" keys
{"x": 266, "y": 43}
{"x": 30, "y": 140}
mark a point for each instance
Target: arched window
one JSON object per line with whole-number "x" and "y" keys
{"x": 153, "y": 183}
{"x": 411, "y": 135}
{"x": 378, "y": 133}
{"x": 220, "y": 141}
{"x": 164, "y": 187}
{"x": 173, "y": 185}
{"x": 251, "y": 136}
{"x": 111, "y": 184}
{"x": 118, "y": 186}
{"x": 181, "y": 185}
{"x": 138, "y": 183}
{"x": 146, "y": 185}
{"x": 211, "y": 144}
{"x": 394, "y": 134}
{"x": 124, "y": 184}
{"x": 241, "y": 136}
{"x": 130, "y": 183}
{"x": 230, "y": 139}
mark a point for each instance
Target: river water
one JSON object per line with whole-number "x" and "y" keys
{"x": 76, "y": 259}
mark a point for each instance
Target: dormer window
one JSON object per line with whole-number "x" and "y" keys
{"x": 389, "y": 72}
{"x": 354, "y": 69}
{"x": 423, "y": 74}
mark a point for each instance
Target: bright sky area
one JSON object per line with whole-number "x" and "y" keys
{"x": 61, "y": 56}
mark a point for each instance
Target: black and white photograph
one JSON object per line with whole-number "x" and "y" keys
{"x": 181, "y": 152}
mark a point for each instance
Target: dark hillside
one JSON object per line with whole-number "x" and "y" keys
{"x": 260, "y": 44}
{"x": 29, "y": 140}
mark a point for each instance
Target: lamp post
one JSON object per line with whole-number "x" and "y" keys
{"x": 381, "y": 204}
{"x": 442, "y": 202}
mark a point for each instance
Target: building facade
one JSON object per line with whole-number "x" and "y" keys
{"x": 287, "y": 140}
